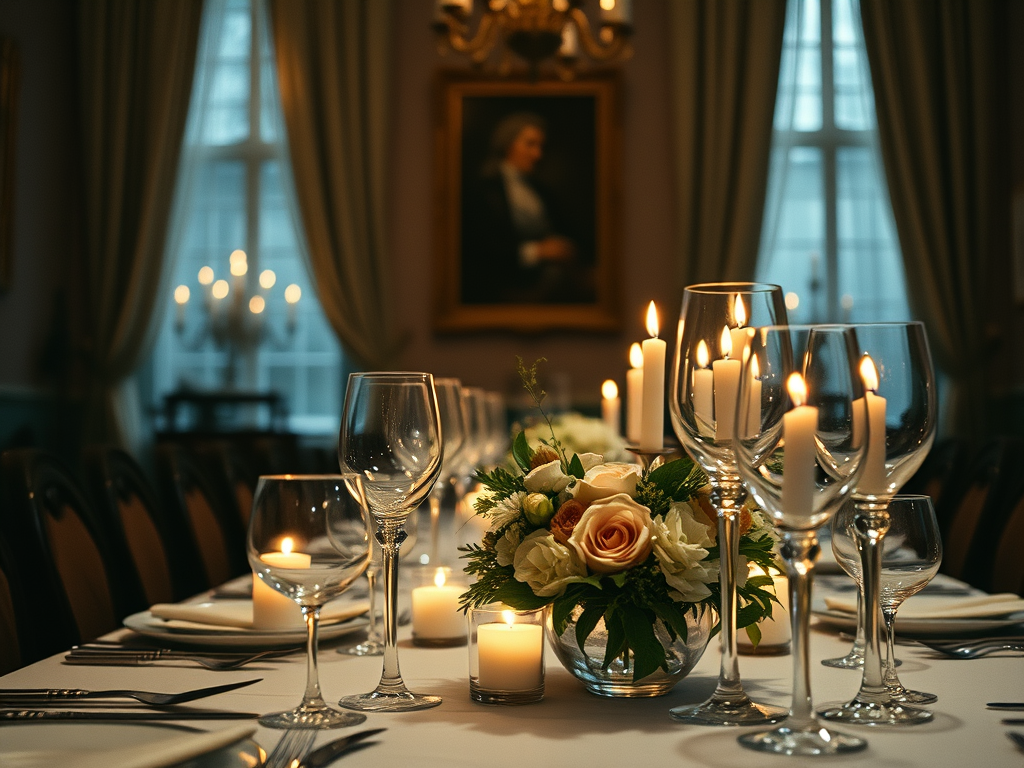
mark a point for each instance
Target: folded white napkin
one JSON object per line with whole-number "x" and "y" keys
{"x": 925, "y": 607}
{"x": 238, "y": 613}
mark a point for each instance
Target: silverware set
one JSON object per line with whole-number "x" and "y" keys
{"x": 975, "y": 647}
{"x": 113, "y": 655}
{"x": 45, "y": 696}
{"x": 293, "y": 750}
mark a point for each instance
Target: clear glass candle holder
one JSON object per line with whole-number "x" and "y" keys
{"x": 506, "y": 655}
{"x": 437, "y": 621}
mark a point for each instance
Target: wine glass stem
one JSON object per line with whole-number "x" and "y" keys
{"x": 312, "y": 698}
{"x": 373, "y": 631}
{"x": 889, "y": 614}
{"x": 800, "y": 550}
{"x": 724, "y": 497}
{"x": 435, "y": 521}
{"x": 391, "y": 534}
{"x": 871, "y": 524}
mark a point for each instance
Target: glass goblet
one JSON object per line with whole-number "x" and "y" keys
{"x": 453, "y": 431}
{"x": 391, "y": 438}
{"x": 715, "y": 324}
{"x": 477, "y": 432}
{"x": 799, "y": 454}
{"x": 373, "y": 645}
{"x": 898, "y": 374}
{"x": 309, "y": 540}
{"x": 911, "y": 554}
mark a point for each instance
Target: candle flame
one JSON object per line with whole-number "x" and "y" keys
{"x": 287, "y": 545}
{"x": 797, "y": 389}
{"x": 636, "y": 356}
{"x": 206, "y": 275}
{"x": 703, "y": 356}
{"x": 739, "y": 312}
{"x": 439, "y": 577}
{"x": 869, "y": 373}
{"x": 181, "y": 294}
{"x": 609, "y": 390}
{"x": 726, "y": 342}
{"x": 220, "y": 289}
{"x": 755, "y": 368}
{"x": 509, "y": 617}
{"x": 652, "y": 320}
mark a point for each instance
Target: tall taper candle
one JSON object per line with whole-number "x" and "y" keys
{"x": 652, "y": 424}
{"x": 634, "y": 393}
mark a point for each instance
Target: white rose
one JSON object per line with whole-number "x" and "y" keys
{"x": 613, "y": 534}
{"x": 547, "y": 478}
{"x": 590, "y": 460}
{"x": 680, "y": 545}
{"x": 505, "y": 547}
{"x": 547, "y": 566}
{"x": 606, "y": 480}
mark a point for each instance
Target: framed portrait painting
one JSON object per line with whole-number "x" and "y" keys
{"x": 527, "y": 204}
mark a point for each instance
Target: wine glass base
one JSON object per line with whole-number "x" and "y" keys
{"x": 717, "y": 711}
{"x": 312, "y": 718}
{"x": 382, "y": 701}
{"x": 816, "y": 740}
{"x": 849, "y": 661}
{"x": 907, "y": 696}
{"x": 859, "y": 712}
{"x": 365, "y": 648}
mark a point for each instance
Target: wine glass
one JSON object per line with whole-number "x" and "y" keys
{"x": 799, "y": 451}
{"x": 391, "y": 437}
{"x": 897, "y": 370}
{"x": 714, "y": 329}
{"x": 477, "y": 425}
{"x": 373, "y": 644}
{"x": 911, "y": 554}
{"x": 309, "y": 540}
{"x": 453, "y": 430}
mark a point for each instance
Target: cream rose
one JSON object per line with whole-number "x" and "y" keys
{"x": 680, "y": 546}
{"x": 606, "y": 480}
{"x": 613, "y": 534}
{"x": 547, "y": 566}
{"x": 547, "y": 478}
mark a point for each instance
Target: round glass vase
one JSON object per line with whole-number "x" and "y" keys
{"x": 616, "y": 680}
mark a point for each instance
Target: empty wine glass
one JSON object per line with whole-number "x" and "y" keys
{"x": 911, "y": 554}
{"x": 309, "y": 540}
{"x": 373, "y": 644}
{"x": 715, "y": 323}
{"x": 799, "y": 452}
{"x": 453, "y": 431}
{"x": 391, "y": 438}
{"x": 900, "y": 381}
{"x": 477, "y": 426}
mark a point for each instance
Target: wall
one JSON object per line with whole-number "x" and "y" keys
{"x": 577, "y": 363}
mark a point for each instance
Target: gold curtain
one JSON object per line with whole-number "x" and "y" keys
{"x": 136, "y": 62}
{"x": 937, "y": 73}
{"x": 725, "y": 64}
{"x": 333, "y": 66}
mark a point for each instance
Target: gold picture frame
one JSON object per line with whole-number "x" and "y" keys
{"x": 489, "y": 274}
{"x": 9, "y": 73}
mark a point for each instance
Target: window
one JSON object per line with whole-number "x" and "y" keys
{"x": 235, "y": 194}
{"x": 829, "y": 237}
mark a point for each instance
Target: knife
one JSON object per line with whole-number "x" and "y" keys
{"x": 1013, "y": 721}
{"x": 37, "y": 715}
{"x": 1006, "y": 705}
{"x": 329, "y": 752}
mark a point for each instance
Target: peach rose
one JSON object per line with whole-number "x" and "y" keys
{"x": 614, "y": 534}
{"x": 607, "y": 480}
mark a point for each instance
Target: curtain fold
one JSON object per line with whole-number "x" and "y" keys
{"x": 936, "y": 69}
{"x": 725, "y": 65}
{"x": 136, "y": 63}
{"x": 333, "y": 65}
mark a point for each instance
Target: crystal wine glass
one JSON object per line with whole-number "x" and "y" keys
{"x": 309, "y": 540}
{"x": 714, "y": 328}
{"x": 373, "y": 644}
{"x": 799, "y": 451}
{"x": 911, "y": 554}
{"x": 453, "y": 430}
{"x": 391, "y": 437}
{"x": 897, "y": 370}
{"x": 477, "y": 430}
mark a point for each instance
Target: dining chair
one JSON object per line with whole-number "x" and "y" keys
{"x": 233, "y": 476}
{"x": 15, "y": 616}
{"x": 940, "y": 473}
{"x": 60, "y": 553}
{"x": 1008, "y": 562}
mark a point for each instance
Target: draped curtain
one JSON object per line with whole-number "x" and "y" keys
{"x": 333, "y": 65}
{"x": 725, "y": 66}
{"x": 136, "y": 63}
{"x": 936, "y": 72}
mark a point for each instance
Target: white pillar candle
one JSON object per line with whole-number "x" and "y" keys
{"x": 611, "y": 406}
{"x": 510, "y": 655}
{"x": 774, "y": 631}
{"x": 799, "y": 458}
{"x": 873, "y": 479}
{"x": 634, "y": 393}
{"x": 652, "y": 424}
{"x": 570, "y": 47}
{"x": 704, "y": 391}
{"x": 727, "y": 383}
{"x": 753, "y": 423}
{"x": 740, "y": 335}
{"x": 270, "y": 608}
{"x": 435, "y": 611}
{"x": 617, "y": 12}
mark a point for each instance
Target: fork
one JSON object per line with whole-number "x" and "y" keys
{"x": 32, "y": 696}
{"x": 973, "y": 649}
{"x": 144, "y": 658}
{"x": 292, "y": 748}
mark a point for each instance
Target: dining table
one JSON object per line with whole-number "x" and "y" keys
{"x": 571, "y": 727}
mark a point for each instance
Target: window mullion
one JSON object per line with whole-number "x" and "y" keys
{"x": 828, "y": 151}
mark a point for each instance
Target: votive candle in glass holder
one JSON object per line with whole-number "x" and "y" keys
{"x": 775, "y": 632}
{"x": 506, "y": 655}
{"x": 437, "y": 621}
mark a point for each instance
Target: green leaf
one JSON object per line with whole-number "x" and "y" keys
{"x": 673, "y": 617}
{"x": 586, "y": 623}
{"x": 648, "y": 653}
{"x": 576, "y": 467}
{"x": 616, "y": 637}
{"x": 518, "y": 595}
{"x": 754, "y": 633}
{"x": 679, "y": 480}
{"x": 522, "y": 452}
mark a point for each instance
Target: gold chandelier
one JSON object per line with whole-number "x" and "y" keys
{"x": 536, "y": 31}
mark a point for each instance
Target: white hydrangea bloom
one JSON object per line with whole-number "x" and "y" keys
{"x": 547, "y": 566}
{"x": 680, "y": 546}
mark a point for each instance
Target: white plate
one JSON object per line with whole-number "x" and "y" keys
{"x": 923, "y": 627}
{"x": 145, "y": 623}
{"x": 44, "y": 745}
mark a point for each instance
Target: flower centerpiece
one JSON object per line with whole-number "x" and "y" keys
{"x": 609, "y": 545}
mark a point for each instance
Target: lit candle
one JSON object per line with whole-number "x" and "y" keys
{"x": 610, "y": 405}
{"x": 292, "y": 294}
{"x": 634, "y": 393}
{"x": 219, "y": 290}
{"x": 800, "y": 457}
{"x": 753, "y": 423}
{"x": 740, "y": 335}
{"x": 510, "y": 655}
{"x": 270, "y": 608}
{"x": 873, "y": 480}
{"x": 239, "y": 266}
{"x": 652, "y": 420}
{"x": 774, "y": 631}
{"x": 704, "y": 391}
{"x": 617, "y": 12}
{"x": 570, "y": 47}
{"x": 727, "y": 383}
{"x": 436, "y": 619}
{"x": 181, "y": 296}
